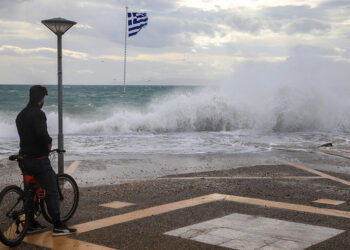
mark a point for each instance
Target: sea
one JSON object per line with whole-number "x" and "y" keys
{"x": 106, "y": 121}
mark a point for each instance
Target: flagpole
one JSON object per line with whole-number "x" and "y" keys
{"x": 126, "y": 31}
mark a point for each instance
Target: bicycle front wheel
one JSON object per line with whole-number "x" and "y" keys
{"x": 14, "y": 219}
{"x": 68, "y": 198}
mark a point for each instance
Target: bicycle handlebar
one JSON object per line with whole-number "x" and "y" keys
{"x": 57, "y": 150}
{"x": 15, "y": 157}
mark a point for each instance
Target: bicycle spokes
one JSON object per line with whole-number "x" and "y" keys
{"x": 13, "y": 219}
{"x": 16, "y": 227}
{"x": 68, "y": 198}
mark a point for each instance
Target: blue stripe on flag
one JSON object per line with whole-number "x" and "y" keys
{"x": 132, "y": 34}
{"x": 137, "y": 27}
{"x": 136, "y": 21}
{"x": 136, "y": 14}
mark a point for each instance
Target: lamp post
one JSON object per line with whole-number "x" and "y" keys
{"x": 59, "y": 26}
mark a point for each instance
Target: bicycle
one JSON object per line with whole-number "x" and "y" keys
{"x": 17, "y": 204}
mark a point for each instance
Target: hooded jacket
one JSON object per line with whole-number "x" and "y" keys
{"x": 32, "y": 130}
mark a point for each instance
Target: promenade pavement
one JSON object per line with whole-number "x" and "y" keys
{"x": 280, "y": 206}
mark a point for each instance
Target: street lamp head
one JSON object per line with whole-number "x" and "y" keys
{"x": 58, "y": 25}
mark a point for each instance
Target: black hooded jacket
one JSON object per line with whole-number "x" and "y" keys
{"x": 32, "y": 130}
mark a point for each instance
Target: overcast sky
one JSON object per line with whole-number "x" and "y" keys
{"x": 185, "y": 42}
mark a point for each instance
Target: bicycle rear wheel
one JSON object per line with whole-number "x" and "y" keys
{"x": 68, "y": 198}
{"x": 14, "y": 219}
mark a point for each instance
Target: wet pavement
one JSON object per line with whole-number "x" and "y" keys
{"x": 169, "y": 202}
{"x": 109, "y": 170}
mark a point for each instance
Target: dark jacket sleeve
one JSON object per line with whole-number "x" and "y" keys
{"x": 40, "y": 128}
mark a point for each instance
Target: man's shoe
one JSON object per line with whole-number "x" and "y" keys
{"x": 62, "y": 230}
{"x": 35, "y": 227}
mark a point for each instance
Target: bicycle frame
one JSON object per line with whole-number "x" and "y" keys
{"x": 31, "y": 182}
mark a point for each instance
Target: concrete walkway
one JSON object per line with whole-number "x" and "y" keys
{"x": 285, "y": 206}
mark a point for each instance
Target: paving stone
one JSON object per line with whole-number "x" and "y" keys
{"x": 228, "y": 233}
{"x": 211, "y": 239}
{"x": 247, "y": 240}
{"x": 295, "y": 231}
{"x": 226, "y": 221}
{"x": 240, "y": 231}
{"x": 203, "y": 228}
{"x": 272, "y": 227}
{"x": 286, "y": 244}
{"x": 242, "y": 244}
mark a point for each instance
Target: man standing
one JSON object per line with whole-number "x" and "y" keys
{"x": 35, "y": 146}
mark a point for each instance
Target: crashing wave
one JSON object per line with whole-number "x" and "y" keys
{"x": 228, "y": 108}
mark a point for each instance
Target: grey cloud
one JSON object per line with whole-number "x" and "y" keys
{"x": 195, "y": 14}
{"x": 9, "y": 9}
{"x": 303, "y": 51}
{"x": 292, "y": 12}
{"x": 335, "y": 3}
{"x": 197, "y": 27}
{"x": 240, "y": 19}
{"x": 290, "y": 19}
{"x": 307, "y": 25}
{"x": 8, "y": 50}
{"x": 287, "y": 21}
{"x": 154, "y": 5}
{"x": 243, "y": 23}
{"x": 8, "y": 3}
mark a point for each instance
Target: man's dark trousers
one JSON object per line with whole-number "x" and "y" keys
{"x": 46, "y": 176}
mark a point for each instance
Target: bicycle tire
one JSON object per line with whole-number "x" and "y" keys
{"x": 13, "y": 210}
{"x": 68, "y": 189}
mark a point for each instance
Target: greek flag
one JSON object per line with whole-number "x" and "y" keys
{"x": 136, "y": 21}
